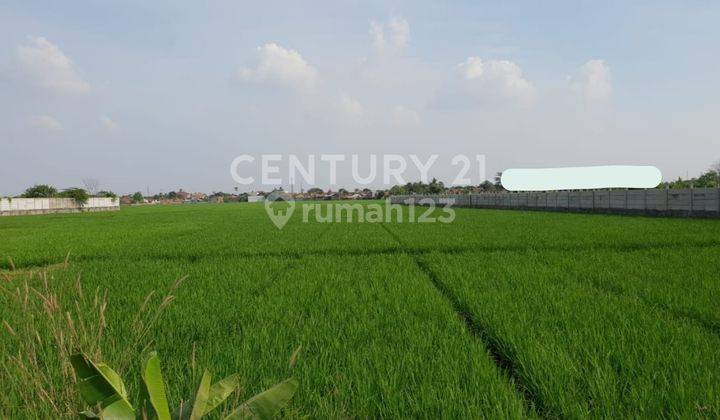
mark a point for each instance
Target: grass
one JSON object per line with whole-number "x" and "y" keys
{"x": 498, "y": 314}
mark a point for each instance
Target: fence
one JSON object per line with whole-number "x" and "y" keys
{"x": 691, "y": 202}
{"x": 18, "y": 206}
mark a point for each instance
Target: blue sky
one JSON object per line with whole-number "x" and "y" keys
{"x": 166, "y": 94}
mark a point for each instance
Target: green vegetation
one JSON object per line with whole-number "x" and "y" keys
{"x": 106, "y": 194}
{"x": 78, "y": 194}
{"x": 40, "y": 191}
{"x": 708, "y": 179}
{"x": 498, "y": 314}
{"x": 100, "y": 386}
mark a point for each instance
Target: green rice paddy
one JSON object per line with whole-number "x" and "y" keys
{"x": 499, "y": 314}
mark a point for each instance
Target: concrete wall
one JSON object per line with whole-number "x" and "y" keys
{"x": 696, "y": 202}
{"x": 17, "y": 206}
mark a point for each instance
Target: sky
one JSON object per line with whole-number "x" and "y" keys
{"x": 163, "y": 95}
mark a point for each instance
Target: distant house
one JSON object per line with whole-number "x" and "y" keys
{"x": 198, "y": 196}
{"x": 126, "y": 199}
{"x": 182, "y": 195}
{"x": 217, "y": 199}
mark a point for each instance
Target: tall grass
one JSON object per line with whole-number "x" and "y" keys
{"x": 50, "y": 320}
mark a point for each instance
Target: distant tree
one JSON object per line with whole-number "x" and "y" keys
{"x": 40, "y": 191}
{"x": 172, "y": 195}
{"x": 498, "y": 179}
{"x": 487, "y": 186}
{"x": 91, "y": 185}
{"x": 137, "y": 197}
{"x": 708, "y": 179}
{"x": 78, "y": 194}
{"x": 716, "y": 168}
{"x": 397, "y": 190}
{"x": 435, "y": 187}
{"x": 342, "y": 191}
{"x": 315, "y": 190}
{"x": 107, "y": 194}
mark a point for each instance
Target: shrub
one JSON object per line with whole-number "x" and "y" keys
{"x": 40, "y": 191}
{"x": 107, "y": 194}
{"x": 78, "y": 194}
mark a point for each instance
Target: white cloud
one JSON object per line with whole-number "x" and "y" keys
{"x": 498, "y": 77}
{"x": 45, "y": 123}
{"x": 351, "y": 112}
{"x": 393, "y": 35}
{"x": 280, "y": 65}
{"x": 593, "y": 80}
{"x": 50, "y": 67}
{"x": 405, "y": 116}
{"x": 107, "y": 123}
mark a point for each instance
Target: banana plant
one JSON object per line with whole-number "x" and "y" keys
{"x": 104, "y": 391}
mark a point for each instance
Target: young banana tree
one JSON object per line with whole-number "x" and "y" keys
{"x": 103, "y": 390}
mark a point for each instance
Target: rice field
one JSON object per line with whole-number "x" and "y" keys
{"x": 499, "y": 314}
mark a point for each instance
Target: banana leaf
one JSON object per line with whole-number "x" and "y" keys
{"x": 220, "y": 390}
{"x": 100, "y": 385}
{"x": 201, "y": 397}
{"x": 267, "y": 404}
{"x": 154, "y": 388}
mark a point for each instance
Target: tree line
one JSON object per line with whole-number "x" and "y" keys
{"x": 708, "y": 179}
{"x": 80, "y": 195}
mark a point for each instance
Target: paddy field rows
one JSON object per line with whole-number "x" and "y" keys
{"x": 497, "y": 314}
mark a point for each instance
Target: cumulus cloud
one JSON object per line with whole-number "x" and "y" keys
{"x": 280, "y": 65}
{"x": 48, "y": 66}
{"x": 405, "y": 117}
{"x": 593, "y": 81}
{"x": 45, "y": 123}
{"x": 389, "y": 36}
{"x": 497, "y": 77}
{"x": 107, "y": 123}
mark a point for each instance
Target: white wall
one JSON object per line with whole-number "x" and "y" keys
{"x": 20, "y": 204}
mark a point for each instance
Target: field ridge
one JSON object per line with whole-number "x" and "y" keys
{"x": 506, "y": 365}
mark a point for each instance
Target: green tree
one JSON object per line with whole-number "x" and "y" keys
{"x": 78, "y": 194}
{"x": 40, "y": 191}
{"x": 107, "y": 194}
{"x": 138, "y": 197}
{"x": 707, "y": 180}
{"x": 435, "y": 187}
{"x": 487, "y": 186}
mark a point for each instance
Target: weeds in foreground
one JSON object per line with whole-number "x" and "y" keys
{"x": 50, "y": 323}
